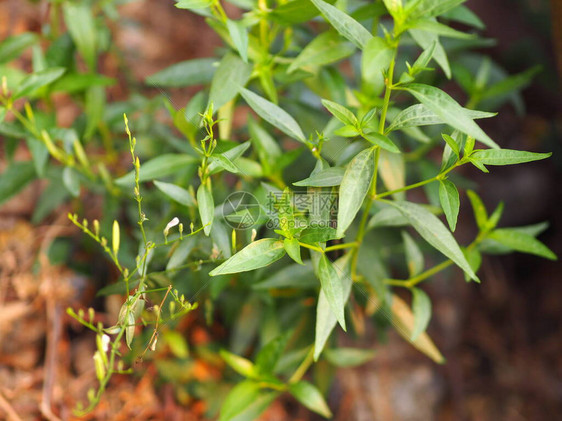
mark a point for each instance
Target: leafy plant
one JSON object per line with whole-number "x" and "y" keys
{"x": 301, "y": 211}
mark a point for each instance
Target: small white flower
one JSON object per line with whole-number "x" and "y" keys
{"x": 170, "y": 225}
{"x": 105, "y": 342}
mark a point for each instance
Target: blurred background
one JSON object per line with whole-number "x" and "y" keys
{"x": 502, "y": 339}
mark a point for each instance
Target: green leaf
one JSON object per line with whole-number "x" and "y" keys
{"x": 255, "y": 255}
{"x": 194, "y": 4}
{"x": 186, "y": 73}
{"x": 293, "y": 249}
{"x": 340, "y": 112}
{"x": 324, "y": 178}
{"x": 414, "y": 256}
{"x": 423, "y": 60}
{"x": 377, "y": 56}
{"x": 241, "y": 365}
{"x": 71, "y": 181}
{"x": 506, "y": 156}
{"x": 449, "y": 110}
{"x": 239, "y": 36}
{"x": 421, "y": 306}
{"x": 326, "y": 48}
{"x": 30, "y": 84}
{"x": 510, "y": 83}
{"x": 523, "y": 242}
{"x": 430, "y": 8}
{"x": 354, "y": 187}
{"x": 480, "y": 214}
{"x": 15, "y": 178}
{"x": 348, "y": 357}
{"x": 464, "y": 15}
{"x": 94, "y": 109}
{"x": 310, "y": 396}
{"x": 291, "y": 276}
{"x": 130, "y": 329}
{"x": 474, "y": 258}
{"x": 206, "y": 206}
{"x": 449, "y": 198}
{"x": 325, "y": 317}
{"x": 221, "y": 161}
{"x": 79, "y": 19}
{"x": 382, "y": 141}
{"x": 228, "y": 159}
{"x": 420, "y": 115}
{"x": 452, "y": 144}
{"x": 269, "y": 355}
{"x": 76, "y": 82}
{"x": 274, "y": 115}
{"x": 245, "y": 402}
{"x": 294, "y": 12}
{"x": 344, "y": 24}
{"x": 231, "y": 75}
{"x": 395, "y": 9}
{"x": 174, "y": 192}
{"x": 161, "y": 166}
{"x": 332, "y": 287}
{"x": 11, "y": 47}
{"x": 434, "y": 232}
{"x": 440, "y": 29}
{"x": 425, "y": 39}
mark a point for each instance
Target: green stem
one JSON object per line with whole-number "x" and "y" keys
{"x": 303, "y": 367}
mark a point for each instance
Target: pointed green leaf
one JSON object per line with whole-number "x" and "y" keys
{"x": 206, "y": 206}
{"x": 270, "y": 354}
{"x": 348, "y": 357}
{"x": 344, "y": 24}
{"x": 506, "y": 156}
{"x": 449, "y": 198}
{"x": 376, "y": 58}
{"x": 15, "y": 178}
{"x": 13, "y": 46}
{"x": 71, "y": 181}
{"x": 255, "y": 255}
{"x": 414, "y": 256}
{"x": 423, "y": 60}
{"x": 430, "y": 8}
{"x": 392, "y": 170}
{"x": 293, "y": 249}
{"x": 231, "y": 75}
{"x": 325, "y": 317}
{"x": 307, "y": 394}
{"x": 425, "y": 39}
{"x": 79, "y": 19}
{"x": 382, "y": 141}
{"x": 194, "y": 4}
{"x": 174, "y": 192}
{"x": 332, "y": 286}
{"x": 420, "y": 115}
{"x": 434, "y": 232}
{"x": 241, "y": 365}
{"x": 161, "y": 166}
{"x": 34, "y": 81}
{"x": 480, "y": 214}
{"x": 421, "y": 306}
{"x": 452, "y": 144}
{"x": 340, "y": 112}
{"x": 186, "y": 73}
{"x": 326, "y": 48}
{"x": 239, "y": 36}
{"x": 274, "y": 115}
{"x": 449, "y": 110}
{"x": 523, "y": 242}
{"x": 245, "y": 402}
{"x": 440, "y": 29}
{"x": 354, "y": 187}
{"x": 324, "y": 178}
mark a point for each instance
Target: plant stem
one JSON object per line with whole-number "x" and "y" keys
{"x": 303, "y": 367}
